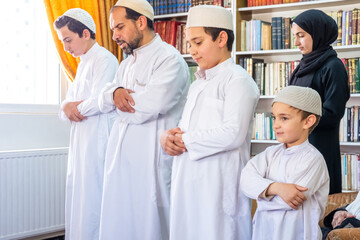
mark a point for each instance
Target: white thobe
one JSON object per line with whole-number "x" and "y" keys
{"x": 302, "y": 165}
{"x": 137, "y": 170}
{"x": 206, "y": 201}
{"x": 88, "y": 140}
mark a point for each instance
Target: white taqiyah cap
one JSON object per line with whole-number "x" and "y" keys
{"x": 303, "y": 98}
{"x": 209, "y": 16}
{"x": 141, "y": 6}
{"x": 82, "y": 16}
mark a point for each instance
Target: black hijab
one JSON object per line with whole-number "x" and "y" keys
{"x": 324, "y": 31}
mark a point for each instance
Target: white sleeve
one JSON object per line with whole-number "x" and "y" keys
{"x": 104, "y": 73}
{"x": 106, "y": 96}
{"x": 69, "y": 98}
{"x": 314, "y": 176}
{"x": 168, "y": 84}
{"x": 239, "y": 105}
{"x": 253, "y": 179}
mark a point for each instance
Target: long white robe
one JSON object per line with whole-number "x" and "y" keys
{"x": 302, "y": 165}
{"x": 206, "y": 201}
{"x": 88, "y": 140}
{"x": 137, "y": 170}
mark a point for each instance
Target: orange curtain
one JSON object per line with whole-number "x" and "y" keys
{"x": 100, "y": 11}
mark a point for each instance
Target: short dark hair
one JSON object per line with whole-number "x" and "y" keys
{"x": 73, "y": 25}
{"x": 305, "y": 114}
{"x": 133, "y": 15}
{"x": 214, "y": 33}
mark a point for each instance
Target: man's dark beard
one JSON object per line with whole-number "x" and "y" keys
{"x": 134, "y": 44}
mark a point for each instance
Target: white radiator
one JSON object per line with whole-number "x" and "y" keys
{"x": 32, "y": 192}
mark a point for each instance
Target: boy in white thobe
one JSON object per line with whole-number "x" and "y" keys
{"x": 290, "y": 181}
{"x": 154, "y": 79}
{"x": 90, "y": 128}
{"x": 212, "y": 142}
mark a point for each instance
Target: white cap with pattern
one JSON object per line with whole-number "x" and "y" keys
{"x": 141, "y": 6}
{"x": 209, "y": 16}
{"x": 82, "y": 16}
{"x": 303, "y": 98}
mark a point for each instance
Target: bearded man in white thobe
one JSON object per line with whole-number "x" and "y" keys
{"x": 90, "y": 128}
{"x": 148, "y": 94}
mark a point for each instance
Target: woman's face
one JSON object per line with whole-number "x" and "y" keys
{"x": 303, "y": 40}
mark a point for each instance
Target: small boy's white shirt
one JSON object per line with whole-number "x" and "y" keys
{"x": 302, "y": 165}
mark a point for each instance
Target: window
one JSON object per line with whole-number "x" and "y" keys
{"x": 29, "y": 66}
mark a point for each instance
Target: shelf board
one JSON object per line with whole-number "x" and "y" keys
{"x": 347, "y": 48}
{"x": 172, "y": 15}
{"x": 353, "y": 95}
{"x": 267, "y": 97}
{"x": 350, "y": 144}
{"x": 176, "y": 15}
{"x": 276, "y": 142}
{"x": 264, "y": 141}
{"x": 297, "y": 6}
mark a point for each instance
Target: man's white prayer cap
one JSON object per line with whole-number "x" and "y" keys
{"x": 82, "y": 16}
{"x": 303, "y": 98}
{"x": 141, "y": 6}
{"x": 209, "y": 16}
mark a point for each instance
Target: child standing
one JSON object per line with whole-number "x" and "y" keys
{"x": 90, "y": 128}
{"x": 290, "y": 181}
{"x": 212, "y": 141}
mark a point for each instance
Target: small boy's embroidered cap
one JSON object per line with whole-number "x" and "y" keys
{"x": 141, "y": 6}
{"x": 82, "y": 16}
{"x": 303, "y": 98}
{"x": 209, "y": 16}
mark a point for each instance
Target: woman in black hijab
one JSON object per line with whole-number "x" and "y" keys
{"x": 322, "y": 70}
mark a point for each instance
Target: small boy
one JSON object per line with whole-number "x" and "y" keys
{"x": 290, "y": 181}
{"x": 90, "y": 128}
{"x": 212, "y": 142}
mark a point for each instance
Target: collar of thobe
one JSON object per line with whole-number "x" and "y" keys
{"x": 210, "y": 73}
{"x": 147, "y": 46}
{"x": 295, "y": 149}
{"x": 90, "y": 52}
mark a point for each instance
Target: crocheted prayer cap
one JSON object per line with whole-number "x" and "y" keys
{"x": 141, "y": 6}
{"x": 303, "y": 98}
{"x": 209, "y": 16}
{"x": 82, "y": 16}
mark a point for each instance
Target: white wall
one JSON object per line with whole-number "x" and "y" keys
{"x": 31, "y": 127}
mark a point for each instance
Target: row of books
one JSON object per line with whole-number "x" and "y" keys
{"x": 348, "y": 24}
{"x": 173, "y": 32}
{"x": 349, "y": 125}
{"x": 256, "y": 3}
{"x": 350, "y": 172}
{"x": 259, "y": 35}
{"x": 270, "y": 77}
{"x": 162, "y": 7}
{"x": 263, "y": 127}
{"x": 353, "y": 69}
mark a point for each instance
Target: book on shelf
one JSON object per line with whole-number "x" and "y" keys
{"x": 257, "y": 3}
{"x": 172, "y": 32}
{"x": 162, "y": 7}
{"x": 349, "y": 130}
{"x": 270, "y": 77}
{"x": 259, "y": 35}
{"x": 262, "y": 127}
{"x": 350, "y": 170}
{"x": 348, "y": 27}
{"x": 352, "y": 67}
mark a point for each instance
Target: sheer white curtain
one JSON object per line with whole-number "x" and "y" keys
{"x": 29, "y": 67}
